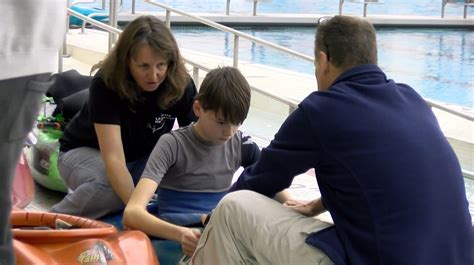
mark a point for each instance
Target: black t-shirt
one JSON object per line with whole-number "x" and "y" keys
{"x": 140, "y": 128}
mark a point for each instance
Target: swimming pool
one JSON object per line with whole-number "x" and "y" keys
{"x": 398, "y": 7}
{"x": 438, "y": 63}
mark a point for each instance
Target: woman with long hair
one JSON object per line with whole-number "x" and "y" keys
{"x": 139, "y": 91}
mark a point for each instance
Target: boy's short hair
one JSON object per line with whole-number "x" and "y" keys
{"x": 347, "y": 41}
{"x": 226, "y": 91}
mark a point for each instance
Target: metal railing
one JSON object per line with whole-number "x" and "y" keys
{"x": 341, "y": 3}
{"x": 112, "y": 15}
{"x": 467, "y": 174}
{"x": 91, "y": 15}
{"x": 237, "y": 34}
{"x": 466, "y": 3}
{"x": 292, "y": 104}
{"x": 255, "y": 2}
{"x": 448, "y": 109}
{"x": 364, "y": 2}
{"x": 113, "y": 31}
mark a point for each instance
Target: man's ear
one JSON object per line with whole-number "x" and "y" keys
{"x": 197, "y": 108}
{"x": 323, "y": 61}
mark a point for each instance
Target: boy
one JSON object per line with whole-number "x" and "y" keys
{"x": 192, "y": 167}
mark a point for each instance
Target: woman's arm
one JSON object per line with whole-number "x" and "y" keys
{"x": 111, "y": 149}
{"x": 137, "y": 217}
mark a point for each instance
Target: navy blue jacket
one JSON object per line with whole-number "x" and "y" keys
{"x": 386, "y": 173}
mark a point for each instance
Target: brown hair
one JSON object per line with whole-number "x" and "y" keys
{"x": 347, "y": 41}
{"x": 115, "y": 69}
{"x": 226, "y": 91}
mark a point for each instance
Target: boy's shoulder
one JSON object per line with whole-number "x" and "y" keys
{"x": 176, "y": 133}
{"x": 181, "y": 130}
{"x": 185, "y": 132}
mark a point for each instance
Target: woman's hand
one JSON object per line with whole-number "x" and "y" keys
{"x": 189, "y": 240}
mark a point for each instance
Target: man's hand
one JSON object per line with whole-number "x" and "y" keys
{"x": 189, "y": 240}
{"x": 307, "y": 208}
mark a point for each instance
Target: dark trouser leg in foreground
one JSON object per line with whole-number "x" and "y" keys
{"x": 19, "y": 104}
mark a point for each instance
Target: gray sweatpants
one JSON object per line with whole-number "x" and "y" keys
{"x": 249, "y": 228}
{"x": 20, "y": 99}
{"x": 92, "y": 196}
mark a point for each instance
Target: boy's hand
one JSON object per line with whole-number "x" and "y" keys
{"x": 189, "y": 240}
{"x": 203, "y": 219}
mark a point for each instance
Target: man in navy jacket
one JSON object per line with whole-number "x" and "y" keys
{"x": 386, "y": 173}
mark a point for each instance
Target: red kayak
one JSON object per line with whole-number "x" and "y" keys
{"x": 49, "y": 238}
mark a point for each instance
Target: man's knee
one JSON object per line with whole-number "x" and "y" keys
{"x": 236, "y": 198}
{"x": 237, "y": 202}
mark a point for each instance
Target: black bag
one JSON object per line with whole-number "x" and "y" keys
{"x": 69, "y": 91}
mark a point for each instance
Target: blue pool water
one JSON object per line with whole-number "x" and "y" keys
{"x": 399, "y": 7}
{"x": 438, "y": 63}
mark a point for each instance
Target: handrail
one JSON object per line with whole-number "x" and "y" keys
{"x": 91, "y": 15}
{"x": 341, "y": 2}
{"x": 293, "y": 104}
{"x": 364, "y": 2}
{"x": 449, "y": 110}
{"x": 112, "y": 30}
{"x": 465, "y": 4}
{"x": 94, "y": 22}
{"x": 255, "y": 2}
{"x": 231, "y": 30}
{"x": 280, "y": 48}
{"x": 196, "y": 66}
{"x": 82, "y": 2}
{"x": 467, "y": 174}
